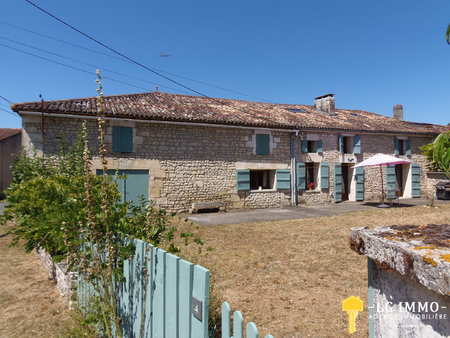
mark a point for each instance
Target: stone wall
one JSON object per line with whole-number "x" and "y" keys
{"x": 189, "y": 164}
{"x": 432, "y": 179}
{"x": 66, "y": 282}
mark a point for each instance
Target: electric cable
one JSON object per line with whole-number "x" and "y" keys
{"x": 223, "y": 103}
{"x": 85, "y": 63}
{"x": 123, "y": 60}
{"x": 82, "y": 70}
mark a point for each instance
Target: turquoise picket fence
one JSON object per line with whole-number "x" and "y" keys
{"x": 177, "y": 297}
{"x": 238, "y": 325}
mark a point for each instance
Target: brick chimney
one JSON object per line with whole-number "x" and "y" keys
{"x": 325, "y": 103}
{"x": 398, "y": 112}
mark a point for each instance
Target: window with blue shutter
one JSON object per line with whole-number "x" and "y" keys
{"x": 408, "y": 147}
{"x": 301, "y": 176}
{"x": 242, "y": 179}
{"x": 122, "y": 140}
{"x": 319, "y": 146}
{"x": 356, "y": 144}
{"x": 283, "y": 179}
{"x": 304, "y": 146}
{"x": 390, "y": 181}
{"x": 415, "y": 179}
{"x": 341, "y": 144}
{"x": 263, "y": 144}
{"x": 324, "y": 176}
{"x": 396, "y": 146}
{"x": 337, "y": 182}
{"x": 359, "y": 178}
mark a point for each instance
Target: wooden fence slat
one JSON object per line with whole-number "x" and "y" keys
{"x": 126, "y": 298}
{"x": 238, "y": 325}
{"x": 148, "y": 322}
{"x": 226, "y": 328}
{"x": 200, "y": 291}
{"x": 139, "y": 285}
{"x": 186, "y": 271}
{"x": 172, "y": 280}
{"x": 159, "y": 293}
{"x": 252, "y": 330}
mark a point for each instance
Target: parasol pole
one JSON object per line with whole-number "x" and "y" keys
{"x": 382, "y": 186}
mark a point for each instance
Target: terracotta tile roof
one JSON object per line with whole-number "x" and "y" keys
{"x": 183, "y": 108}
{"x": 8, "y": 132}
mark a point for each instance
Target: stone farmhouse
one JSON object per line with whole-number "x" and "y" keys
{"x": 178, "y": 150}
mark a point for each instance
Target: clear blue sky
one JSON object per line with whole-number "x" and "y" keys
{"x": 371, "y": 54}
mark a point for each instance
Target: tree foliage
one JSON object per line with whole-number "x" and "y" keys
{"x": 438, "y": 153}
{"x": 448, "y": 34}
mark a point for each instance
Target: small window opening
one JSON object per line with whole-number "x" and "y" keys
{"x": 262, "y": 179}
{"x": 312, "y": 146}
{"x": 312, "y": 174}
{"x": 348, "y": 144}
{"x": 401, "y": 147}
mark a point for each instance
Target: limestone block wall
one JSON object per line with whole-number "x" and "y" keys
{"x": 266, "y": 199}
{"x": 189, "y": 163}
{"x": 186, "y": 163}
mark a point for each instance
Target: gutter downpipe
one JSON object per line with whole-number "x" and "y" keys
{"x": 293, "y": 170}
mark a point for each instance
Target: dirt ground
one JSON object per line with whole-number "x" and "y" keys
{"x": 30, "y": 305}
{"x": 290, "y": 277}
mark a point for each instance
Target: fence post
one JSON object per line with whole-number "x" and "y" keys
{"x": 200, "y": 294}
{"x": 226, "y": 329}
{"x": 238, "y": 325}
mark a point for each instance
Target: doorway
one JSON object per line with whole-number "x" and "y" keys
{"x": 399, "y": 182}
{"x": 346, "y": 180}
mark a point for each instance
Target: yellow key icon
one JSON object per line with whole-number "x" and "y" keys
{"x": 352, "y": 305}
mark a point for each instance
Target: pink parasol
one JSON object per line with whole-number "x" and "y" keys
{"x": 381, "y": 160}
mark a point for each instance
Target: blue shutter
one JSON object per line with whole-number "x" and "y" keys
{"x": 301, "y": 176}
{"x": 319, "y": 146}
{"x": 136, "y": 185}
{"x": 341, "y": 144}
{"x": 324, "y": 176}
{"x": 283, "y": 179}
{"x": 408, "y": 147}
{"x": 337, "y": 182}
{"x": 262, "y": 144}
{"x": 132, "y": 184}
{"x": 122, "y": 139}
{"x": 390, "y": 181}
{"x": 356, "y": 144}
{"x": 304, "y": 146}
{"x": 242, "y": 179}
{"x": 396, "y": 146}
{"x": 359, "y": 177}
{"x": 415, "y": 179}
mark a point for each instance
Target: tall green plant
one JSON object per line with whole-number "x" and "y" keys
{"x": 441, "y": 152}
{"x": 438, "y": 153}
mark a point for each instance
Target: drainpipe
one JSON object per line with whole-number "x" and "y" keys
{"x": 293, "y": 171}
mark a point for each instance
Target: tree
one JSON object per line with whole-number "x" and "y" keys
{"x": 438, "y": 153}
{"x": 448, "y": 34}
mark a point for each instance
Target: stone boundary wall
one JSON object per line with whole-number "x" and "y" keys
{"x": 66, "y": 282}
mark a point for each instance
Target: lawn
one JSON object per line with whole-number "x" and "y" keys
{"x": 290, "y": 277}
